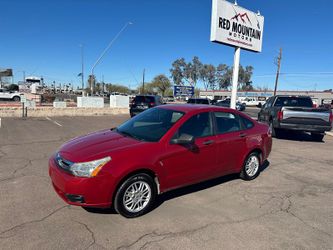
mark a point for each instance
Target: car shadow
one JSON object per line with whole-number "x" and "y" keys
{"x": 200, "y": 186}
{"x": 297, "y": 136}
{"x": 180, "y": 191}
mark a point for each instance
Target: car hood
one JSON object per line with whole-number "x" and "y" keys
{"x": 95, "y": 146}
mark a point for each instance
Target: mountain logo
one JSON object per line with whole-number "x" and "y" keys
{"x": 242, "y": 17}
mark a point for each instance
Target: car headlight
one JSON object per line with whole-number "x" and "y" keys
{"x": 89, "y": 169}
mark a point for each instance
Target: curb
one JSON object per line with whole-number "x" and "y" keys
{"x": 329, "y": 133}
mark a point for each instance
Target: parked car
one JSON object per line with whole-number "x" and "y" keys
{"x": 254, "y": 101}
{"x": 199, "y": 101}
{"x": 226, "y": 103}
{"x": 161, "y": 149}
{"x": 295, "y": 113}
{"x": 10, "y": 95}
{"x": 143, "y": 102}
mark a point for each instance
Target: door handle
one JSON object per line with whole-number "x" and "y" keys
{"x": 209, "y": 142}
{"x": 242, "y": 134}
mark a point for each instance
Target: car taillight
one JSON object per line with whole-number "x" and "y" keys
{"x": 331, "y": 117}
{"x": 280, "y": 115}
{"x": 152, "y": 104}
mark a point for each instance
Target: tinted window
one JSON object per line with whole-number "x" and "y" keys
{"x": 293, "y": 102}
{"x": 144, "y": 99}
{"x": 150, "y": 125}
{"x": 247, "y": 123}
{"x": 198, "y": 101}
{"x": 226, "y": 122}
{"x": 198, "y": 126}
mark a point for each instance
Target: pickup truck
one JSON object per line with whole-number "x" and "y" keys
{"x": 10, "y": 95}
{"x": 295, "y": 113}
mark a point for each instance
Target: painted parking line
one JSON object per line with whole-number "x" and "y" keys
{"x": 55, "y": 122}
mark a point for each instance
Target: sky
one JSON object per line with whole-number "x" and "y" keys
{"x": 43, "y": 38}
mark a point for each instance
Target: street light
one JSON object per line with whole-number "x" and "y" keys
{"x": 92, "y": 77}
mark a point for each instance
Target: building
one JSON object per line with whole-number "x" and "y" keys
{"x": 318, "y": 97}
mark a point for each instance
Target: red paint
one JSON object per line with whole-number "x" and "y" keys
{"x": 173, "y": 165}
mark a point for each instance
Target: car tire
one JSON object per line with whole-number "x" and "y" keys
{"x": 317, "y": 136}
{"x": 135, "y": 196}
{"x": 16, "y": 99}
{"x": 251, "y": 167}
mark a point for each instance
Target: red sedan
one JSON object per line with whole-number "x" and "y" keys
{"x": 163, "y": 148}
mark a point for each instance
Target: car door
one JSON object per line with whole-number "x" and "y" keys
{"x": 186, "y": 164}
{"x": 265, "y": 111}
{"x": 230, "y": 142}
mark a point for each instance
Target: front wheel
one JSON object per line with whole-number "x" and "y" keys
{"x": 251, "y": 167}
{"x": 135, "y": 196}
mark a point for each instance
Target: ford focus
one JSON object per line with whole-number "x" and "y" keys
{"x": 161, "y": 149}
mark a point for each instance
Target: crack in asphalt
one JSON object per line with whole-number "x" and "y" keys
{"x": 166, "y": 235}
{"x": 28, "y": 222}
{"x": 285, "y": 206}
{"x": 92, "y": 234}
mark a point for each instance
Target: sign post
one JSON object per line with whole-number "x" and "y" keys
{"x": 235, "y": 78}
{"x": 235, "y": 26}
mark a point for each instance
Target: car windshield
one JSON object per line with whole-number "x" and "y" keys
{"x": 198, "y": 101}
{"x": 150, "y": 125}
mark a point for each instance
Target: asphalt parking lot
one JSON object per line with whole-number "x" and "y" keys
{"x": 289, "y": 206}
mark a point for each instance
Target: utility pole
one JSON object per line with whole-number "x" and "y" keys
{"x": 278, "y": 70}
{"x": 82, "y": 67}
{"x": 143, "y": 82}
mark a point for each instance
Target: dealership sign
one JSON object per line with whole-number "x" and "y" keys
{"x": 183, "y": 91}
{"x": 236, "y": 26}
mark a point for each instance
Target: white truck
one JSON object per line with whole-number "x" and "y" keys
{"x": 10, "y": 95}
{"x": 253, "y": 101}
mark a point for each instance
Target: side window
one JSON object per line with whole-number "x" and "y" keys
{"x": 226, "y": 122}
{"x": 198, "y": 125}
{"x": 246, "y": 122}
{"x": 269, "y": 102}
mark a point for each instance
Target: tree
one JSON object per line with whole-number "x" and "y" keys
{"x": 117, "y": 88}
{"x": 182, "y": 72}
{"x": 244, "y": 78}
{"x": 192, "y": 71}
{"x": 177, "y": 71}
{"x": 223, "y": 76}
{"x": 207, "y": 76}
{"x": 161, "y": 83}
{"x": 149, "y": 89}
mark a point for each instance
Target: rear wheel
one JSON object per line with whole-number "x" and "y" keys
{"x": 317, "y": 136}
{"x": 16, "y": 98}
{"x": 135, "y": 196}
{"x": 251, "y": 168}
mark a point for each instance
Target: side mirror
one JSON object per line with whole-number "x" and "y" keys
{"x": 184, "y": 139}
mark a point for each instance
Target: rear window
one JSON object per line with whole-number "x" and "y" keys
{"x": 198, "y": 101}
{"x": 144, "y": 99}
{"x": 293, "y": 102}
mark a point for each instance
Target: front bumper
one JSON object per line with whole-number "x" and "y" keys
{"x": 88, "y": 192}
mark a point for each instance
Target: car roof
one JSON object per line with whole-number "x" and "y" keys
{"x": 186, "y": 108}
{"x": 199, "y": 98}
{"x": 147, "y": 95}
